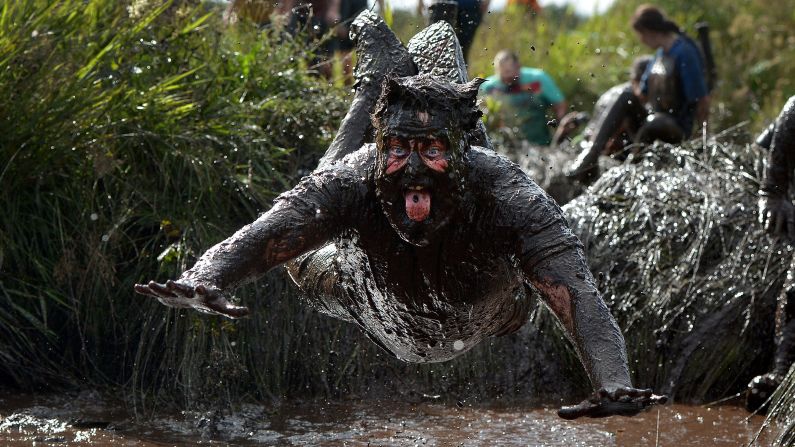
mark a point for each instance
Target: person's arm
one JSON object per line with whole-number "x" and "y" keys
{"x": 776, "y": 211}
{"x": 694, "y": 86}
{"x": 553, "y": 262}
{"x": 702, "y": 111}
{"x": 301, "y": 219}
{"x": 333, "y": 13}
{"x": 552, "y": 95}
{"x": 560, "y": 109}
{"x": 484, "y": 7}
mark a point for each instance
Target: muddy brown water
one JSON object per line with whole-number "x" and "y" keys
{"x": 87, "y": 420}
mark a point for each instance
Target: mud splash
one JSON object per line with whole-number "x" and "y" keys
{"x": 86, "y": 420}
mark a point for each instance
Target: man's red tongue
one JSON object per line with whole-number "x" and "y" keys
{"x": 418, "y": 204}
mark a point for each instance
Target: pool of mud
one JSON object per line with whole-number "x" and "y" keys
{"x": 88, "y": 420}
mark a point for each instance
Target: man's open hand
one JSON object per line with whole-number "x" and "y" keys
{"x": 622, "y": 402}
{"x": 183, "y": 294}
{"x": 777, "y": 215}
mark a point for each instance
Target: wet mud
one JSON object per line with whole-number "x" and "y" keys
{"x": 86, "y": 420}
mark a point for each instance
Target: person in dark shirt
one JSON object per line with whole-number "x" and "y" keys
{"x": 315, "y": 18}
{"x": 674, "y": 85}
{"x": 777, "y": 214}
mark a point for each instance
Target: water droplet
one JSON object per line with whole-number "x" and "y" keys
{"x": 458, "y": 345}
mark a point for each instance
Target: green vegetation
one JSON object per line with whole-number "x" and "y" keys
{"x": 133, "y": 139}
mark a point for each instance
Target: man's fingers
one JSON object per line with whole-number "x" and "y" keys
{"x": 201, "y": 297}
{"x": 222, "y": 306}
{"x": 632, "y": 392}
{"x": 658, "y": 399}
{"x": 621, "y": 402}
{"x": 182, "y": 289}
{"x": 160, "y": 290}
{"x": 233, "y": 311}
{"x": 571, "y": 412}
{"x": 214, "y": 302}
{"x": 143, "y": 289}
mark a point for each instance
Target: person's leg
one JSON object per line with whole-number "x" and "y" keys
{"x": 468, "y": 22}
{"x": 785, "y": 327}
{"x": 379, "y": 53}
{"x": 605, "y": 125}
{"x": 762, "y": 387}
{"x": 660, "y": 126}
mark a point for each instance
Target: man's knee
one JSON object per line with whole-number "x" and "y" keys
{"x": 660, "y": 126}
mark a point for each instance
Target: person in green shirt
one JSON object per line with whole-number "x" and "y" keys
{"x": 525, "y": 95}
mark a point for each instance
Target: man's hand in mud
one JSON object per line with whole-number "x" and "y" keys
{"x": 183, "y": 294}
{"x": 777, "y": 215}
{"x": 621, "y": 402}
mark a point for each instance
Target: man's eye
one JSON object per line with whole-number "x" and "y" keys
{"x": 398, "y": 151}
{"x": 433, "y": 152}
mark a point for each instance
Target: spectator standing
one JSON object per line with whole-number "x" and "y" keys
{"x": 525, "y": 95}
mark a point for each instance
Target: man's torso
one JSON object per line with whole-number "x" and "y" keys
{"x": 431, "y": 303}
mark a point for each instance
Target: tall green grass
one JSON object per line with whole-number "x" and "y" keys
{"x": 132, "y": 140}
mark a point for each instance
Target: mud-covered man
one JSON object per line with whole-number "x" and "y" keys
{"x": 777, "y": 214}
{"x": 426, "y": 242}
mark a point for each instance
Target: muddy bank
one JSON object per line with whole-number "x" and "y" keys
{"x": 88, "y": 420}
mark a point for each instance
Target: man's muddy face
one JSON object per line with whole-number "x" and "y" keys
{"x": 417, "y": 191}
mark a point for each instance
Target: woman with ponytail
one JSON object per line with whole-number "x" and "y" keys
{"x": 674, "y": 84}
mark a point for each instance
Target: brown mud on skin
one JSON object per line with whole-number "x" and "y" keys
{"x": 50, "y": 421}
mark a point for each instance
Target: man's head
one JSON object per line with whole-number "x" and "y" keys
{"x": 506, "y": 66}
{"x": 423, "y": 127}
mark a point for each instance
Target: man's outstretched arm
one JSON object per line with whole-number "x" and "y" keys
{"x": 567, "y": 287}
{"x": 554, "y": 263}
{"x": 301, "y": 220}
